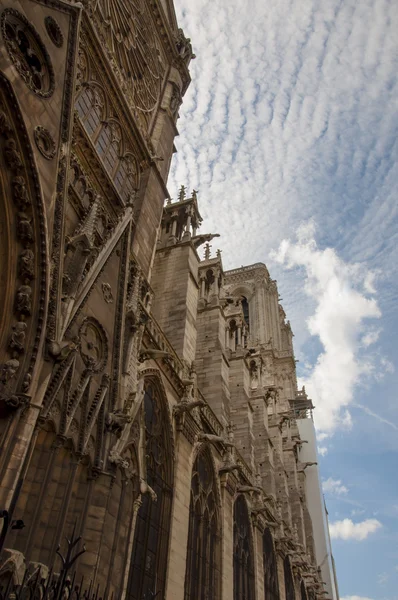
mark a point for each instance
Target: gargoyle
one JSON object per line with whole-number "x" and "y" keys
{"x": 247, "y": 489}
{"x": 183, "y": 407}
{"x": 198, "y": 240}
{"x": 117, "y": 420}
{"x": 214, "y": 439}
{"x": 145, "y": 488}
{"x": 229, "y": 468}
{"x": 153, "y": 353}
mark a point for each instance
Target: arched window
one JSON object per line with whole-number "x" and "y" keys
{"x": 90, "y": 107}
{"x": 303, "y": 591}
{"x": 202, "y": 576}
{"x": 289, "y": 584}
{"x": 108, "y": 147}
{"x": 243, "y": 553}
{"x": 126, "y": 178}
{"x": 245, "y": 308}
{"x": 147, "y": 578}
{"x": 271, "y": 587}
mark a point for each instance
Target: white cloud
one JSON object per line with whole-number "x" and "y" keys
{"x": 341, "y": 316}
{"x": 355, "y": 598}
{"x": 382, "y": 578}
{"x": 347, "y": 530}
{"x": 371, "y": 336}
{"x": 371, "y": 413}
{"x": 334, "y": 486}
{"x": 322, "y": 450}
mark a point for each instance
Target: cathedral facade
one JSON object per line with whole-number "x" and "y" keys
{"x": 149, "y": 407}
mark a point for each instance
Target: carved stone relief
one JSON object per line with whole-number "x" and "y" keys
{"x": 107, "y": 293}
{"x": 44, "y": 142}
{"x": 93, "y": 344}
{"x": 27, "y": 52}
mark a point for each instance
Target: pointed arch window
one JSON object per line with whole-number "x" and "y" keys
{"x": 90, "y": 107}
{"x": 243, "y": 553}
{"x": 245, "y": 308}
{"x": 108, "y": 146}
{"x": 202, "y": 575}
{"x": 271, "y": 587}
{"x": 289, "y": 584}
{"x": 147, "y": 578}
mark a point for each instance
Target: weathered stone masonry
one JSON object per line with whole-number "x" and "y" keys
{"x": 148, "y": 398}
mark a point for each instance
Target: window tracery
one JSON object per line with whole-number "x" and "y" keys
{"x": 27, "y": 52}
{"x": 126, "y": 180}
{"x": 243, "y": 553}
{"x": 108, "y": 146}
{"x": 90, "y": 107}
{"x": 149, "y": 556}
{"x": 271, "y": 587}
{"x": 202, "y": 571}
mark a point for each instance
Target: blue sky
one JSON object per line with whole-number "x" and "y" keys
{"x": 289, "y": 132}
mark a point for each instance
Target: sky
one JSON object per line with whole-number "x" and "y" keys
{"x": 289, "y": 133}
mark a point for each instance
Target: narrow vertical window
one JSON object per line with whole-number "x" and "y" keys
{"x": 202, "y": 577}
{"x": 243, "y": 553}
{"x": 289, "y": 584}
{"x": 245, "y": 308}
{"x": 126, "y": 178}
{"x": 147, "y": 577}
{"x": 90, "y": 108}
{"x": 108, "y": 147}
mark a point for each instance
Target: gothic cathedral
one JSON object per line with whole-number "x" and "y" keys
{"x": 149, "y": 410}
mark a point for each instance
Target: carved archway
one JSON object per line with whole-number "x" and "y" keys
{"x": 23, "y": 273}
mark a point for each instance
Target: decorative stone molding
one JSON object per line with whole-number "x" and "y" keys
{"x": 44, "y": 142}
{"x": 54, "y": 31}
{"x": 27, "y": 53}
{"x": 93, "y": 344}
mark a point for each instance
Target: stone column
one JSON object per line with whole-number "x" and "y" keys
{"x": 239, "y": 343}
{"x": 227, "y": 333}
{"x": 136, "y": 507}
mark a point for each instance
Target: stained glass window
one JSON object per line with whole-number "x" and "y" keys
{"x": 243, "y": 553}
{"x": 90, "y": 107}
{"x": 202, "y": 576}
{"x": 108, "y": 147}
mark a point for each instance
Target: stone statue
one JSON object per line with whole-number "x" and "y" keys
{"x": 23, "y": 302}
{"x": 26, "y": 269}
{"x": 20, "y": 192}
{"x": 17, "y": 341}
{"x": 8, "y": 370}
{"x": 4, "y": 123}
{"x": 12, "y": 156}
{"x": 25, "y": 231}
